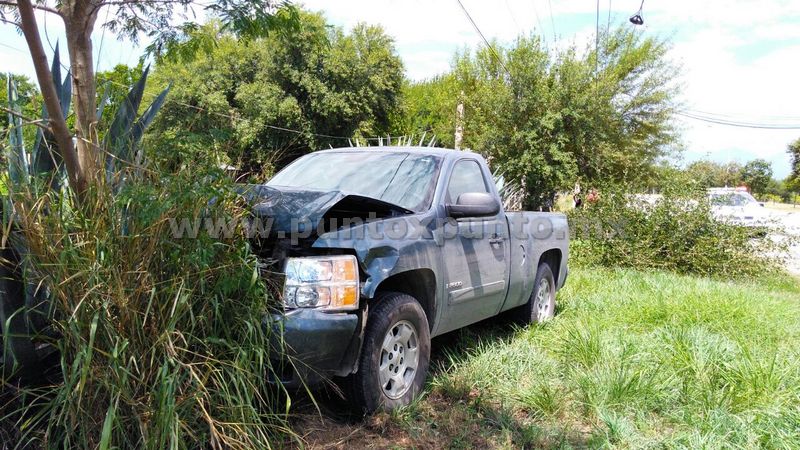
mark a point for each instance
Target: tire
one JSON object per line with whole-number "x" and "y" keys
{"x": 541, "y": 305}
{"x": 396, "y": 326}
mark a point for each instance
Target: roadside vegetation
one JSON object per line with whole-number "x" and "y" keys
{"x": 160, "y": 340}
{"x": 160, "y": 343}
{"x": 114, "y": 331}
{"x": 633, "y": 359}
{"x": 674, "y": 231}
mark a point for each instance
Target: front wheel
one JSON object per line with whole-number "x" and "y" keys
{"x": 395, "y": 354}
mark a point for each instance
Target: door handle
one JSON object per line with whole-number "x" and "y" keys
{"x": 495, "y": 239}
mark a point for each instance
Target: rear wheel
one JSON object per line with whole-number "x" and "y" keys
{"x": 541, "y": 305}
{"x": 395, "y": 355}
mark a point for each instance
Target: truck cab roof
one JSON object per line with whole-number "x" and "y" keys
{"x": 433, "y": 151}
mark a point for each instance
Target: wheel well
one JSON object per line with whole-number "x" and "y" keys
{"x": 553, "y": 258}
{"x": 418, "y": 283}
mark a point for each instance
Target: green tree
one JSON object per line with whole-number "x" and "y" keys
{"x": 792, "y": 182}
{"x": 709, "y": 174}
{"x": 130, "y": 19}
{"x": 794, "y": 153}
{"x": 552, "y": 120}
{"x": 429, "y": 107}
{"x": 757, "y": 175}
{"x": 239, "y": 103}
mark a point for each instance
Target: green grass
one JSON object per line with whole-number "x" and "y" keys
{"x": 632, "y": 360}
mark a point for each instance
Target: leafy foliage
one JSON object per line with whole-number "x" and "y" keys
{"x": 239, "y": 103}
{"x": 126, "y": 130}
{"x": 553, "y": 120}
{"x": 757, "y": 175}
{"x": 161, "y": 343}
{"x": 793, "y": 180}
{"x": 43, "y": 159}
{"x": 709, "y": 174}
{"x": 246, "y": 18}
{"x": 675, "y": 232}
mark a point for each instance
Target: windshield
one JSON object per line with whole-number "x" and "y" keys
{"x": 732, "y": 199}
{"x": 404, "y": 179}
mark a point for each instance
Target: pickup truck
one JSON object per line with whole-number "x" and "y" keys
{"x": 380, "y": 249}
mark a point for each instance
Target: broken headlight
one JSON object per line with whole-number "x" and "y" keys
{"x": 326, "y": 282}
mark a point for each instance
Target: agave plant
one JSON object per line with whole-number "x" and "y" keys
{"x": 24, "y": 298}
{"x": 42, "y": 159}
{"x": 512, "y": 192}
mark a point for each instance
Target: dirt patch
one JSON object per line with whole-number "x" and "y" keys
{"x": 433, "y": 423}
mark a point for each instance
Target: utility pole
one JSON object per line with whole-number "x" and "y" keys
{"x": 459, "y": 137}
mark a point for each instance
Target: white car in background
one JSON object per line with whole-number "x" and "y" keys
{"x": 736, "y": 205}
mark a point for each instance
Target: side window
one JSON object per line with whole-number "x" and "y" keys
{"x": 466, "y": 177}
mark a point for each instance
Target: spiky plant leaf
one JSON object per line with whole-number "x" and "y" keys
{"x": 46, "y": 155}
{"x": 102, "y": 105}
{"x": 147, "y": 117}
{"x": 17, "y": 161}
{"x": 55, "y": 71}
{"x": 118, "y": 143}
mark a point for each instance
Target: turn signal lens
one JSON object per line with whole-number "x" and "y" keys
{"x": 325, "y": 282}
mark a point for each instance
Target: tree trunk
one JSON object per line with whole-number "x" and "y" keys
{"x": 57, "y": 123}
{"x": 79, "y": 20}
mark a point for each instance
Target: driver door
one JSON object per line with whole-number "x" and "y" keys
{"x": 475, "y": 253}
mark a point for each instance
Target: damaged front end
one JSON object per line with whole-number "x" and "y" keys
{"x": 319, "y": 329}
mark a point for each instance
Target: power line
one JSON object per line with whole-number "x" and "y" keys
{"x": 12, "y": 48}
{"x": 486, "y": 41}
{"x": 513, "y": 18}
{"x": 536, "y": 14}
{"x": 552, "y": 22}
{"x": 102, "y": 38}
{"x": 741, "y": 118}
{"x": 731, "y": 123}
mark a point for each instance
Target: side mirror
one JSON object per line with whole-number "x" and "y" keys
{"x": 474, "y": 204}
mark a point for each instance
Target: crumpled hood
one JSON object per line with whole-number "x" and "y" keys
{"x": 294, "y": 209}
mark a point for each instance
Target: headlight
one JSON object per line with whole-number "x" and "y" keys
{"x": 327, "y": 282}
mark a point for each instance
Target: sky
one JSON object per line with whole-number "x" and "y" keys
{"x": 738, "y": 59}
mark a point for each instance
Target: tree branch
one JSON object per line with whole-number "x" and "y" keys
{"x": 35, "y": 6}
{"x": 129, "y": 3}
{"x": 10, "y": 22}
{"x": 28, "y": 121}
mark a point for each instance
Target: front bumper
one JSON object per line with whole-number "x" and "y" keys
{"x": 313, "y": 345}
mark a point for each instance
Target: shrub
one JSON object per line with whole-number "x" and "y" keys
{"x": 160, "y": 339}
{"x": 675, "y": 231}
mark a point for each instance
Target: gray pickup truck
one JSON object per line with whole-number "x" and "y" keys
{"x": 380, "y": 249}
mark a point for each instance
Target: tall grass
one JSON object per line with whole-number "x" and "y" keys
{"x": 639, "y": 360}
{"x": 161, "y": 340}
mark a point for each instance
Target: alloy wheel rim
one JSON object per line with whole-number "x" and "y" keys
{"x": 399, "y": 359}
{"x": 544, "y": 304}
